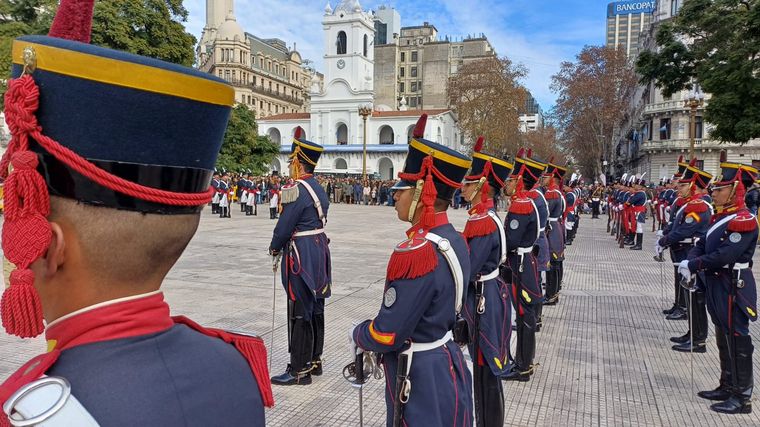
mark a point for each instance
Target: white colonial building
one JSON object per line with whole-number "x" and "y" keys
{"x": 334, "y": 120}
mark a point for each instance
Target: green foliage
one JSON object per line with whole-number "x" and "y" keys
{"x": 242, "y": 147}
{"x": 146, "y": 27}
{"x": 716, "y": 43}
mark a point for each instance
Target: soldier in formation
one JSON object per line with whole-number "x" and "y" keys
{"x": 116, "y": 357}
{"x": 299, "y": 239}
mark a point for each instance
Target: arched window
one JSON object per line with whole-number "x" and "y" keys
{"x": 365, "y": 45}
{"x": 341, "y": 134}
{"x": 342, "y": 42}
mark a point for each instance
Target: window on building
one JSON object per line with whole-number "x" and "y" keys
{"x": 403, "y": 56}
{"x": 270, "y": 86}
{"x": 254, "y": 80}
{"x": 401, "y": 87}
{"x": 413, "y": 102}
{"x": 700, "y": 164}
{"x": 233, "y": 76}
{"x": 674, "y": 6}
{"x": 414, "y": 56}
{"x": 414, "y": 86}
{"x": 665, "y": 128}
{"x": 402, "y": 72}
{"x": 651, "y": 130}
{"x": 414, "y": 71}
{"x": 261, "y": 104}
{"x": 419, "y": 101}
{"x": 698, "y": 127}
{"x": 220, "y": 74}
{"x": 366, "y": 45}
{"x": 227, "y": 75}
{"x": 277, "y": 88}
{"x": 341, "y": 43}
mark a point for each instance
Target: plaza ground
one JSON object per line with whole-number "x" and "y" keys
{"x": 604, "y": 354}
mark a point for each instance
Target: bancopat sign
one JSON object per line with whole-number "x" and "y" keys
{"x": 630, "y": 7}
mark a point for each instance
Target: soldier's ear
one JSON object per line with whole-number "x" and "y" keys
{"x": 56, "y": 252}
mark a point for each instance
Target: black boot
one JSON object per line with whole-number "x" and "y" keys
{"x": 291, "y": 377}
{"x": 639, "y": 241}
{"x": 522, "y": 368}
{"x": 723, "y": 391}
{"x": 318, "y": 325}
{"x": 489, "y": 397}
{"x": 680, "y": 340}
{"x": 740, "y": 401}
{"x": 687, "y": 347}
{"x": 552, "y": 285}
{"x": 677, "y": 314}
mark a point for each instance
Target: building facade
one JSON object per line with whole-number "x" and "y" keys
{"x": 626, "y": 21}
{"x": 333, "y": 119}
{"x": 268, "y": 77}
{"x": 659, "y": 128}
{"x": 531, "y": 117}
{"x": 415, "y": 67}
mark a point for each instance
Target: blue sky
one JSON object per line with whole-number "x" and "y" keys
{"x": 537, "y": 33}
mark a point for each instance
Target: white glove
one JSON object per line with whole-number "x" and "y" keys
{"x": 659, "y": 234}
{"x": 352, "y": 347}
{"x": 658, "y": 249}
{"x": 683, "y": 269}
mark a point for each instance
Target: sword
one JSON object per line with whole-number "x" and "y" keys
{"x": 402, "y": 389}
{"x": 359, "y": 368}
{"x": 689, "y": 285}
{"x": 275, "y": 263}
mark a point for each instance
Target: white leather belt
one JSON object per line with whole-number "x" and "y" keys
{"x": 687, "y": 242}
{"x": 309, "y": 232}
{"x": 523, "y": 251}
{"x": 595, "y": 199}
{"x": 47, "y": 402}
{"x": 542, "y": 229}
{"x": 445, "y": 248}
{"x": 492, "y": 275}
{"x": 417, "y": 347}
{"x": 553, "y": 219}
{"x": 738, "y": 266}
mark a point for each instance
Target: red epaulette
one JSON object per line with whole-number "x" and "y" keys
{"x": 552, "y": 194}
{"x": 479, "y": 225}
{"x": 743, "y": 222}
{"x": 679, "y": 202}
{"x": 533, "y": 194}
{"x": 696, "y": 206}
{"x": 412, "y": 258}
{"x": 521, "y": 206}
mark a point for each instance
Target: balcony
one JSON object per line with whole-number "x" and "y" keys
{"x": 267, "y": 92}
{"x": 679, "y": 144}
{"x": 664, "y": 106}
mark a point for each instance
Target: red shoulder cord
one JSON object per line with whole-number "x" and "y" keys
{"x": 26, "y": 231}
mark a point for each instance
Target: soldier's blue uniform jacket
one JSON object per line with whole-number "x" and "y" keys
{"x": 422, "y": 310}
{"x": 495, "y": 322}
{"x": 544, "y": 256}
{"x": 522, "y": 226}
{"x": 725, "y": 255}
{"x": 305, "y": 266}
{"x": 555, "y": 229}
{"x": 570, "y": 198}
{"x": 690, "y": 222}
{"x": 638, "y": 201}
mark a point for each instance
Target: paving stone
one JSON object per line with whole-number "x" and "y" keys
{"x": 604, "y": 354}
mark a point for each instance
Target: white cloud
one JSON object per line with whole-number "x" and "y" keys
{"x": 523, "y": 30}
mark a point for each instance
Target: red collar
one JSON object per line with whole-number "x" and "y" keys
{"x": 418, "y": 230}
{"x": 117, "y": 319}
{"x": 482, "y": 207}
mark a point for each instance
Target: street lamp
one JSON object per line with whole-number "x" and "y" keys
{"x": 365, "y": 111}
{"x": 696, "y": 99}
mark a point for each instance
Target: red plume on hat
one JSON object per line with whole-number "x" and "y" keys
{"x": 298, "y": 134}
{"x": 479, "y": 144}
{"x": 73, "y": 21}
{"x": 26, "y": 230}
{"x": 680, "y": 158}
{"x": 419, "y": 128}
{"x": 693, "y": 162}
{"x": 520, "y": 153}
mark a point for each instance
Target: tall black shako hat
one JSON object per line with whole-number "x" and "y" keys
{"x": 434, "y": 170}
{"x": 682, "y": 165}
{"x": 102, "y": 127}
{"x": 305, "y": 151}
{"x": 694, "y": 175}
{"x": 555, "y": 171}
{"x": 528, "y": 169}
{"x": 739, "y": 175}
{"x": 494, "y": 169}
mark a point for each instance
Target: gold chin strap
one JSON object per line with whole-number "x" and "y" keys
{"x": 415, "y": 199}
{"x": 478, "y": 187}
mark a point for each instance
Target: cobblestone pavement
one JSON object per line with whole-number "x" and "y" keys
{"x": 604, "y": 351}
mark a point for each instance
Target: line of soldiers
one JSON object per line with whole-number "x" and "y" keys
{"x": 711, "y": 239}
{"x": 444, "y": 289}
{"x": 626, "y": 211}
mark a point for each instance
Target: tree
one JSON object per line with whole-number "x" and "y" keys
{"x": 145, "y": 27}
{"x": 487, "y": 97}
{"x": 242, "y": 148}
{"x": 717, "y": 43}
{"x": 545, "y": 144}
{"x": 593, "y": 97}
